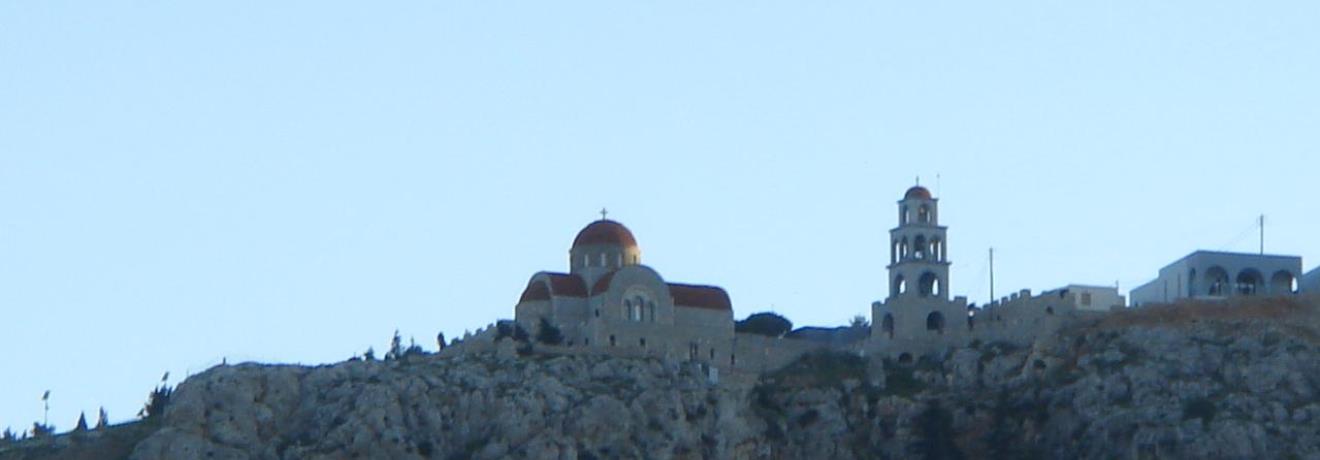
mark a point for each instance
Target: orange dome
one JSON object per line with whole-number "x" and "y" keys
{"x": 605, "y": 232}
{"x": 917, "y": 193}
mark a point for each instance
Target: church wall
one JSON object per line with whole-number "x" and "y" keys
{"x": 711, "y": 331}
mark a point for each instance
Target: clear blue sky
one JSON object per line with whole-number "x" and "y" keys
{"x": 182, "y": 182}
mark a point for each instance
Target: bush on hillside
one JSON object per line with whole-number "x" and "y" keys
{"x": 764, "y": 323}
{"x": 549, "y": 334}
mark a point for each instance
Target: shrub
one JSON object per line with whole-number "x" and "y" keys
{"x": 765, "y": 323}
{"x": 1201, "y": 408}
{"x": 899, "y": 380}
{"x": 548, "y": 334}
{"x": 42, "y": 431}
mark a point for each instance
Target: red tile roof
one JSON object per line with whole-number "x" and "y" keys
{"x": 605, "y": 232}
{"x": 917, "y": 193}
{"x": 708, "y": 297}
{"x": 567, "y": 285}
{"x": 560, "y": 285}
{"x": 602, "y": 284}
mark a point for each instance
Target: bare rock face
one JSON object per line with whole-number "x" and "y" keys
{"x": 465, "y": 407}
{"x": 1139, "y": 392}
{"x": 1223, "y": 388}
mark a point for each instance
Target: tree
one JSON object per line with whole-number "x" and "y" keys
{"x": 157, "y": 401}
{"x": 396, "y": 347}
{"x": 82, "y": 423}
{"x": 764, "y": 323}
{"x": 40, "y": 430}
{"x": 413, "y": 348}
{"x": 8, "y": 437}
{"x": 102, "y": 419}
{"x": 548, "y": 334}
{"x": 859, "y": 322}
{"x": 440, "y": 340}
{"x": 369, "y": 355}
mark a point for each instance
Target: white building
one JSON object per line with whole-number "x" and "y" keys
{"x": 1094, "y": 298}
{"x": 1310, "y": 283}
{"x": 1214, "y": 275}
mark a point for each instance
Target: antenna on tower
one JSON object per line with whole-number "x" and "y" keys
{"x": 939, "y": 186}
{"x": 992, "y": 274}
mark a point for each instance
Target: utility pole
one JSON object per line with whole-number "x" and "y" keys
{"x": 992, "y": 274}
{"x": 1262, "y": 234}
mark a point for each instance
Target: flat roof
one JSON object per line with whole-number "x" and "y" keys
{"x": 1234, "y": 254}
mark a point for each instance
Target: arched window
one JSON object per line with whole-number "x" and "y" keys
{"x": 923, "y": 214}
{"x": 887, "y": 325}
{"x": 1049, "y": 310}
{"x": 929, "y": 285}
{"x": 611, "y": 340}
{"x": 920, "y": 248}
{"x": 903, "y": 249}
{"x": 905, "y": 216}
{"x": 937, "y": 249}
{"x": 603, "y": 262}
{"x": 1216, "y": 281}
{"x": 1191, "y": 283}
{"x": 1249, "y": 282}
{"x": 1281, "y": 283}
{"x": 900, "y": 286}
{"x": 935, "y": 322}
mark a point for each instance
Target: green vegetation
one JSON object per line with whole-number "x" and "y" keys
{"x": 822, "y": 369}
{"x": 1201, "y": 408}
{"x": 765, "y": 323}
{"x": 548, "y": 334}
{"x": 900, "y": 381}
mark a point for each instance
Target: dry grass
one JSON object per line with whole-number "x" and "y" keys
{"x": 1298, "y": 315}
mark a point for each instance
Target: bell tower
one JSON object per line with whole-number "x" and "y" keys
{"x": 919, "y": 259}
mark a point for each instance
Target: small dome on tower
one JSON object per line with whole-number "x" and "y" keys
{"x": 605, "y": 231}
{"x": 917, "y": 193}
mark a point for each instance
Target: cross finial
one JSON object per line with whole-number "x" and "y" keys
{"x": 603, "y": 213}
{"x": 918, "y": 180}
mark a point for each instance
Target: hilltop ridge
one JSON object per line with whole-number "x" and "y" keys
{"x": 1228, "y": 380}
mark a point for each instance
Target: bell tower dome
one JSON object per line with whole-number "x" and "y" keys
{"x": 919, "y": 261}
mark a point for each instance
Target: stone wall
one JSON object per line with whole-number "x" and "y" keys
{"x": 756, "y": 353}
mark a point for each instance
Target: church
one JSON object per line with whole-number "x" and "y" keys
{"x": 610, "y": 303}
{"x": 610, "y": 300}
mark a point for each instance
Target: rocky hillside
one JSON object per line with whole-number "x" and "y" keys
{"x": 1188, "y": 381}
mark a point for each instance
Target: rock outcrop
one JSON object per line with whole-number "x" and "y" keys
{"x": 1192, "y": 385}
